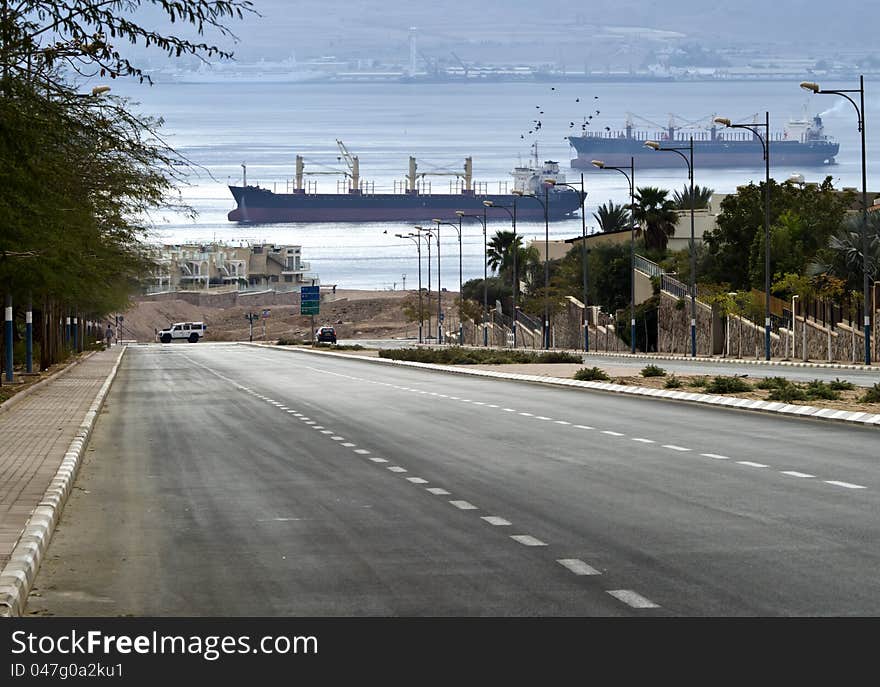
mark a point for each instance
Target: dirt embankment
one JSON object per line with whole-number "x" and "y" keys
{"x": 354, "y": 314}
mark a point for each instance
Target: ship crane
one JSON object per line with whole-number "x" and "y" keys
{"x": 463, "y": 65}
{"x": 353, "y": 166}
{"x": 414, "y": 175}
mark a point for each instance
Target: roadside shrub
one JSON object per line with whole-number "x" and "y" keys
{"x": 457, "y": 355}
{"x": 841, "y": 385}
{"x": 819, "y": 389}
{"x": 291, "y": 342}
{"x": 728, "y": 385}
{"x": 620, "y": 380}
{"x": 591, "y": 374}
{"x": 700, "y": 382}
{"x": 558, "y": 357}
{"x": 672, "y": 383}
{"x": 771, "y": 383}
{"x": 653, "y": 371}
{"x": 787, "y": 393}
{"x": 872, "y": 395}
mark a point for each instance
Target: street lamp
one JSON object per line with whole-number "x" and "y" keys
{"x": 482, "y": 219}
{"x": 460, "y": 301}
{"x": 793, "y": 340}
{"x": 439, "y": 292}
{"x": 765, "y": 145}
{"x": 415, "y": 239}
{"x": 631, "y": 180}
{"x": 427, "y": 235}
{"x": 860, "y": 112}
{"x": 491, "y": 204}
{"x": 583, "y": 197}
{"x": 689, "y": 161}
{"x": 545, "y": 204}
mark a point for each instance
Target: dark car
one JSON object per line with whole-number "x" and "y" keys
{"x": 325, "y": 335}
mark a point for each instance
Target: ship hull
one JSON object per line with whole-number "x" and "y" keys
{"x": 256, "y": 205}
{"x": 707, "y": 154}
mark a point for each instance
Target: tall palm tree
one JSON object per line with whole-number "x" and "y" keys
{"x": 656, "y": 215}
{"x": 702, "y": 195}
{"x": 844, "y": 258}
{"x": 612, "y": 217}
{"x": 499, "y": 252}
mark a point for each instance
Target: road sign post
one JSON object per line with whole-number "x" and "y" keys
{"x": 310, "y": 303}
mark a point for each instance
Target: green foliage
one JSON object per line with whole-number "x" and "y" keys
{"x": 283, "y": 341}
{"x": 787, "y": 393}
{"x": 656, "y": 216}
{"x": 728, "y": 385}
{"x": 841, "y": 385}
{"x": 672, "y": 382}
{"x": 591, "y": 374}
{"x": 699, "y": 382}
{"x": 872, "y": 395}
{"x": 500, "y": 253}
{"x": 702, "y": 196}
{"x": 819, "y": 389}
{"x": 612, "y": 217}
{"x": 456, "y": 355}
{"x": 653, "y": 371}
{"x": 801, "y": 219}
{"x": 770, "y": 383}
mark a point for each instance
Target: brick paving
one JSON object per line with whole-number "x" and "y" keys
{"x": 35, "y": 434}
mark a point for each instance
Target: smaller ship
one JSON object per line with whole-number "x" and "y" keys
{"x": 803, "y": 143}
{"x": 411, "y": 201}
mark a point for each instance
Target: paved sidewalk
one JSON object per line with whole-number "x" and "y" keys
{"x": 35, "y": 435}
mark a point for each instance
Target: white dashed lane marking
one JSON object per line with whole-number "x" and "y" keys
{"x": 527, "y": 540}
{"x": 673, "y": 447}
{"x": 361, "y": 451}
{"x": 495, "y": 520}
{"x": 348, "y": 444}
{"x": 751, "y": 464}
{"x": 463, "y": 505}
{"x": 397, "y": 468}
{"x": 337, "y": 438}
{"x": 577, "y": 566}
{"x": 846, "y": 485}
{"x": 715, "y": 456}
{"x": 630, "y": 598}
{"x": 610, "y": 433}
{"x": 417, "y": 480}
{"x": 437, "y": 491}
{"x": 644, "y": 441}
{"x": 794, "y": 473}
{"x": 378, "y": 460}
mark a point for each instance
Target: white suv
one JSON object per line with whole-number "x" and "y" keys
{"x": 188, "y": 331}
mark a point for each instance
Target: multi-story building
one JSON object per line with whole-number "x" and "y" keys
{"x": 246, "y": 268}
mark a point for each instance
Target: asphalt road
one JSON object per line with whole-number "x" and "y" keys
{"x": 229, "y": 480}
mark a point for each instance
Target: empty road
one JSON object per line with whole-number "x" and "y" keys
{"x": 231, "y": 480}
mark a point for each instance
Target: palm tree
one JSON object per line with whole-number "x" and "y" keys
{"x": 612, "y": 217}
{"x": 702, "y": 195}
{"x": 499, "y": 252}
{"x": 656, "y": 214}
{"x": 844, "y": 258}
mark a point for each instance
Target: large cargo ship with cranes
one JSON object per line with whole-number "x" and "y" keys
{"x": 803, "y": 143}
{"x": 411, "y": 201}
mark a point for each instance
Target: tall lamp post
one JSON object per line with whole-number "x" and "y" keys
{"x": 689, "y": 161}
{"x": 583, "y": 196}
{"x": 460, "y": 295}
{"x": 765, "y": 145}
{"x": 415, "y": 239}
{"x": 482, "y": 219}
{"x": 545, "y": 204}
{"x": 439, "y": 292}
{"x": 507, "y": 209}
{"x": 631, "y": 180}
{"x": 427, "y": 235}
{"x": 860, "y": 112}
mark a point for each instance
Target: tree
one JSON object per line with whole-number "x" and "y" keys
{"x": 843, "y": 256}
{"x": 801, "y": 221}
{"x": 656, "y": 216}
{"x": 702, "y": 196}
{"x": 612, "y": 217}
{"x": 500, "y": 252}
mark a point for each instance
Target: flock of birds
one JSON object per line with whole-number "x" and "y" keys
{"x": 536, "y": 124}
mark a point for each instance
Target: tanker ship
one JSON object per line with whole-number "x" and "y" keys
{"x": 411, "y": 201}
{"x": 803, "y": 143}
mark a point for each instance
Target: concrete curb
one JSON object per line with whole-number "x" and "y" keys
{"x": 24, "y": 393}
{"x": 853, "y": 418}
{"x": 733, "y": 361}
{"x": 18, "y": 576}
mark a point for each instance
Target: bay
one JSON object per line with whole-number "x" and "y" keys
{"x": 265, "y": 125}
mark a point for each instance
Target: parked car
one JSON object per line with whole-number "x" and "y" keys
{"x": 325, "y": 334}
{"x": 183, "y": 331}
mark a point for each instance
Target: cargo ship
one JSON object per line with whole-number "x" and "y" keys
{"x": 412, "y": 201}
{"x": 803, "y": 143}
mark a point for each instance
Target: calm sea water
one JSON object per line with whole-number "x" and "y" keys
{"x": 220, "y": 126}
